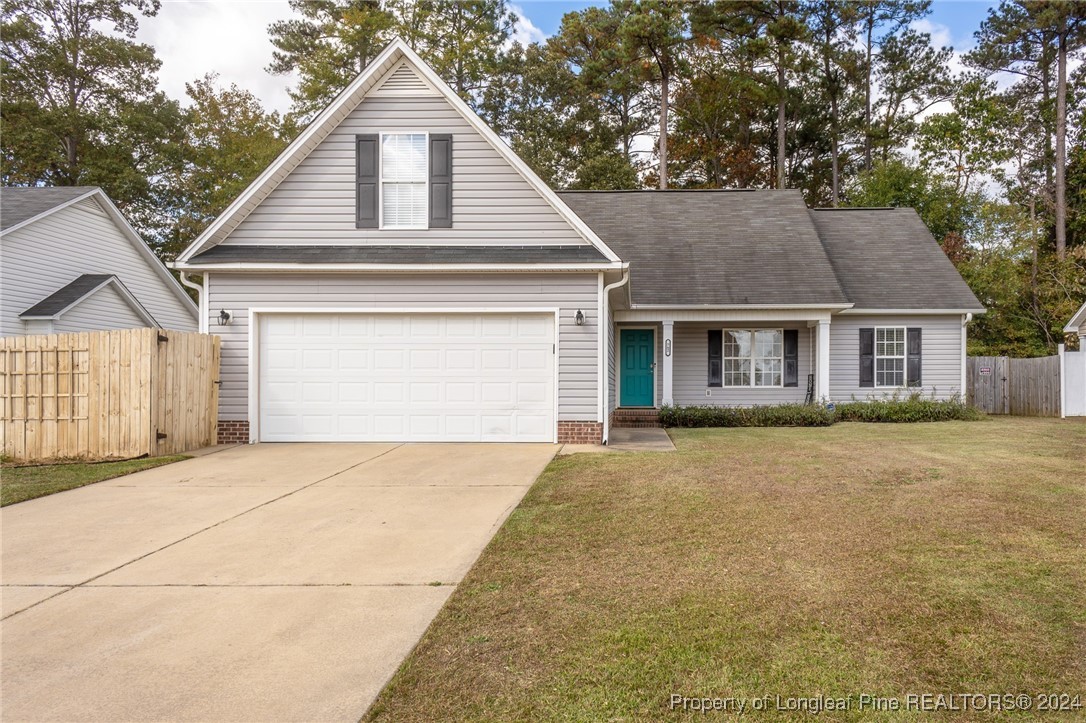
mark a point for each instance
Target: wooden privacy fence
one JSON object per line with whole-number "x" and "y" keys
{"x": 108, "y": 394}
{"x": 1025, "y": 387}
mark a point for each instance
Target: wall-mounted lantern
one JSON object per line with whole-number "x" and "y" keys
{"x": 225, "y": 317}
{"x": 579, "y": 319}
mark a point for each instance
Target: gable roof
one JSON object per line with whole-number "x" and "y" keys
{"x": 886, "y": 258}
{"x": 76, "y": 291}
{"x": 1076, "y": 321}
{"x": 19, "y": 204}
{"x": 31, "y": 204}
{"x": 395, "y": 54}
{"x": 713, "y": 247}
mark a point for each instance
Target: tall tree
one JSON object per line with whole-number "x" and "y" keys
{"x": 462, "y": 40}
{"x": 229, "y": 139}
{"x": 833, "y": 37}
{"x": 653, "y": 33}
{"x": 330, "y": 44}
{"x": 878, "y": 21}
{"x": 81, "y": 105}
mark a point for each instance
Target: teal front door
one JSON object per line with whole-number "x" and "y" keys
{"x": 637, "y": 376}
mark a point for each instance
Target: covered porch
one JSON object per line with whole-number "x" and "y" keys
{"x": 725, "y": 357}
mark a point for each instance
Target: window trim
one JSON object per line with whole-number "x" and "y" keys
{"x": 381, "y": 180}
{"x": 753, "y": 374}
{"x": 904, "y": 357}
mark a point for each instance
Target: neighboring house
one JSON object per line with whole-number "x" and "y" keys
{"x": 69, "y": 261}
{"x": 1073, "y": 369}
{"x": 399, "y": 274}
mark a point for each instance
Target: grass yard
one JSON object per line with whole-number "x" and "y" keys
{"x": 878, "y": 559}
{"x": 19, "y": 484}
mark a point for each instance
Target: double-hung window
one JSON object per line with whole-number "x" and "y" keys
{"x": 753, "y": 358}
{"x": 890, "y": 356}
{"x": 403, "y": 181}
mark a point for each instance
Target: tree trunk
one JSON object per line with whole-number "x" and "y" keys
{"x": 867, "y": 99}
{"x": 1061, "y": 145}
{"x": 664, "y": 88}
{"x": 782, "y": 93}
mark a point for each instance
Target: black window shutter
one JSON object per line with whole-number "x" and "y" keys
{"x": 913, "y": 357}
{"x": 867, "y": 357}
{"x": 367, "y": 169}
{"x": 440, "y": 180}
{"x": 716, "y": 352}
{"x": 791, "y": 357}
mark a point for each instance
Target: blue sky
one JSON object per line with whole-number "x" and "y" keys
{"x": 230, "y": 37}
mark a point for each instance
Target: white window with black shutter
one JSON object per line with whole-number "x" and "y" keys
{"x": 753, "y": 358}
{"x": 403, "y": 180}
{"x": 890, "y": 356}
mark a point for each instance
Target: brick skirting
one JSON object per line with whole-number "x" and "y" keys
{"x": 231, "y": 432}
{"x": 580, "y": 433}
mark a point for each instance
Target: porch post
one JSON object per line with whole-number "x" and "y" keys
{"x": 822, "y": 363}
{"x": 667, "y": 361}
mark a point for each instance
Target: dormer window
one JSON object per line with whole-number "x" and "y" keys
{"x": 403, "y": 181}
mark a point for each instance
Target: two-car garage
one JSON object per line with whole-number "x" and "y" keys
{"x": 405, "y": 376}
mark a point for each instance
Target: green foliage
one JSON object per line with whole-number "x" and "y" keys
{"x": 80, "y": 102}
{"x": 229, "y": 140}
{"x": 914, "y": 408}
{"x": 899, "y": 183}
{"x": 781, "y": 415}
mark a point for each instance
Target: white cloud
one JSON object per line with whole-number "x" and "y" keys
{"x": 228, "y": 37}
{"x": 524, "y": 31}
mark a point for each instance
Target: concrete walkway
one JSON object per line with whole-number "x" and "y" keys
{"x": 266, "y": 582}
{"x": 650, "y": 439}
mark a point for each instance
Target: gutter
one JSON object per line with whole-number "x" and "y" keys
{"x": 200, "y": 297}
{"x": 606, "y": 329}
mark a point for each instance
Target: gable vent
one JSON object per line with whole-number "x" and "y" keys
{"x": 403, "y": 81}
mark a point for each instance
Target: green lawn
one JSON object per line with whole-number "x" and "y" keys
{"x": 18, "y": 484}
{"x": 855, "y": 559}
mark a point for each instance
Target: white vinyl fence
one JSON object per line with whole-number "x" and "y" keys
{"x": 1072, "y": 382}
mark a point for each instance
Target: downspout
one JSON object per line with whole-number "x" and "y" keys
{"x": 606, "y": 328}
{"x": 965, "y": 396}
{"x": 199, "y": 289}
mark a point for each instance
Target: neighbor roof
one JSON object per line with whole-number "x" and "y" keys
{"x": 76, "y": 291}
{"x": 713, "y": 247}
{"x": 19, "y": 204}
{"x": 580, "y": 254}
{"x": 886, "y": 258}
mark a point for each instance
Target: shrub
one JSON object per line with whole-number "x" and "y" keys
{"x": 781, "y": 415}
{"x": 912, "y": 409}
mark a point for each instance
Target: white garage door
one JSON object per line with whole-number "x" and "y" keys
{"x": 406, "y": 377}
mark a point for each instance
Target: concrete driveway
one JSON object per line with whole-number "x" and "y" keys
{"x": 266, "y": 582}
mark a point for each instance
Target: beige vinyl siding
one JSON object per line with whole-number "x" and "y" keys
{"x": 941, "y": 349}
{"x": 492, "y": 203}
{"x": 104, "y": 309}
{"x": 45, "y": 255}
{"x": 691, "y": 369}
{"x": 577, "y": 353}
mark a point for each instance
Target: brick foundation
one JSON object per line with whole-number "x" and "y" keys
{"x": 233, "y": 432}
{"x": 635, "y": 419}
{"x": 580, "y": 433}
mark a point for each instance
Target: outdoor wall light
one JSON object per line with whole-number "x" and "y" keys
{"x": 579, "y": 319}
{"x": 225, "y": 317}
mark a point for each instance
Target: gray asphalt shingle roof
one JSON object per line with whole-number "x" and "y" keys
{"x": 401, "y": 254}
{"x": 17, "y": 203}
{"x": 67, "y": 295}
{"x": 713, "y": 247}
{"x": 888, "y": 259}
